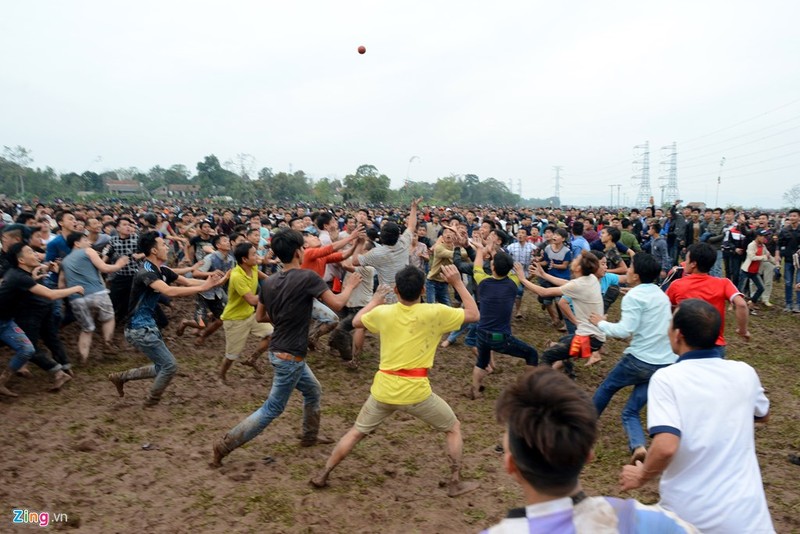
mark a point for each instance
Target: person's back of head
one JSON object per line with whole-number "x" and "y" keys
{"x": 646, "y": 267}
{"x": 322, "y": 220}
{"x": 551, "y": 427}
{"x": 390, "y": 233}
{"x": 577, "y": 228}
{"x": 588, "y": 263}
{"x": 613, "y": 233}
{"x": 703, "y": 255}
{"x": 73, "y": 238}
{"x": 698, "y": 323}
{"x": 147, "y": 242}
{"x": 502, "y": 263}
{"x": 285, "y": 244}
{"x": 409, "y": 282}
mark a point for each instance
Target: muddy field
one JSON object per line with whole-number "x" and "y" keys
{"x": 109, "y": 465}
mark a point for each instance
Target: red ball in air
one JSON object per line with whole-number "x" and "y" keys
{"x": 362, "y": 49}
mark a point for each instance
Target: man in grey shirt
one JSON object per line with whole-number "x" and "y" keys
{"x": 393, "y": 253}
{"x": 83, "y": 267}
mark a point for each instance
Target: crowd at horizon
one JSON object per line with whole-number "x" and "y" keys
{"x": 288, "y": 276}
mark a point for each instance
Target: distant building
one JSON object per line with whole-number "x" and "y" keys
{"x": 124, "y": 187}
{"x": 177, "y": 190}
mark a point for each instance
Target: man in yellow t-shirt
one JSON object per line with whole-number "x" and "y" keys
{"x": 238, "y": 318}
{"x": 409, "y": 332}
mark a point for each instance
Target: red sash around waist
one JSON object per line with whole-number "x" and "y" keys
{"x": 408, "y": 373}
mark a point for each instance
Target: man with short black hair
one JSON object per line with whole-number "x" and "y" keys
{"x": 83, "y": 267}
{"x": 125, "y": 243}
{"x": 659, "y": 250}
{"x": 550, "y": 432}
{"x": 286, "y": 300}
{"x": 498, "y": 292}
{"x": 697, "y": 283}
{"x": 141, "y": 331}
{"x": 393, "y": 254}
{"x": 700, "y": 413}
{"x": 788, "y": 247}
{"x": 239, "y": 315}
{"x": 221, "y": 260}
{"x": 21, "y": 294}
{"x": 646, "y": 313}
{"x": 407, "y": 353}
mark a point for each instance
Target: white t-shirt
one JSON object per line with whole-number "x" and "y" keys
{"x": 713, "y": 481}
{"x": 586, "y": 299}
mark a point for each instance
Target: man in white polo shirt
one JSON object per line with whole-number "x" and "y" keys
{"x": 700, "y": 414}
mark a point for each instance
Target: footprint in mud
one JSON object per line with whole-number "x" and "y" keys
{"x": 239, "y": 472}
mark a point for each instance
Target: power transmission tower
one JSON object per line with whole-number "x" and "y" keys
{"x": 519, "y": 187}
{"x": 558, "y": 168}
{"x": 669, "y": 169}
{"x": 619, "y": 199}
{"x": 612, "y": 186}
{"x": 642, "y": 176}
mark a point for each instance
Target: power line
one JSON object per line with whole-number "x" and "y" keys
{"x": 750, "y": 164}
{"x": 740, "y": 122}
{"x": 599, "y": 170}
{"x": 740, "y": 155}
{"x": 751, "y": 133}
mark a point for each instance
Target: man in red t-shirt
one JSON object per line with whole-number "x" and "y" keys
{"x": 316, "y": 257}
{"x": 696, "y": 283}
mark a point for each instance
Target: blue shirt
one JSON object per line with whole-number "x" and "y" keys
{"x": 144, "y": 299}
{"x": 646, "y": 314}
{"x": 608, "y": 280}
{"x": 56, "y": 249}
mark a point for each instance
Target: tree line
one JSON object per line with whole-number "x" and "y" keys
{"x": 239, "y": 180}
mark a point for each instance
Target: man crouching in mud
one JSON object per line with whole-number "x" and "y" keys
{"x": 286, "y": 301}
{"x": 409, "y": 333}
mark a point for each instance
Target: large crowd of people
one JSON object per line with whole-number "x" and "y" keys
{"x": 420, "y": 277}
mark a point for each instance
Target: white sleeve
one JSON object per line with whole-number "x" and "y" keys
{"x": 663, "y": 414}
{"x": 761, "y": 407}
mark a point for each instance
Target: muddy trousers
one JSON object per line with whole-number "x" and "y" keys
{"x": 289, "y": 375}
{"x": 149, "y": 341}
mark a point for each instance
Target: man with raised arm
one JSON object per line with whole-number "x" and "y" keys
{"x": 393, "y": 254}
{"x": 409, "y": 333}
{"x": 286, "y": 300}
{"x": 141, "y": 331}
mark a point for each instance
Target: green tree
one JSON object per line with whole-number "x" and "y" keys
{"x": 367, "y": 184}
{"x": 471, "y": 189}
{"x": 21, "y": 157}
{"x": 327, "y": 190}
{"x": 449, "y": 190}
{"x": 212, "y": 178}
{"x": 288, "y": 187}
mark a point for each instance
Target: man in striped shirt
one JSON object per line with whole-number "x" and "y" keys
{"x": 551, "y": 427}
{"x": 522, "y": 252}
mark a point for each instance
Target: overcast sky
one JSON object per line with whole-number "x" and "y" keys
{"x": 501, "y": 89}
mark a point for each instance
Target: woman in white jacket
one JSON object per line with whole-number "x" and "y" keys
{"x": 756, "y": 253}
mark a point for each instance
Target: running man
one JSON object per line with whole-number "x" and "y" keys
{"x": 409, "y": 333}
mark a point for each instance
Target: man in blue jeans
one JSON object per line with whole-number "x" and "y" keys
{"x": 152, "y": 280}
{"x": 788, "y": 245}
{"x": 18, "y": 289}
{"x": 646, "y": 314}
{"x": 286, "y": 300}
